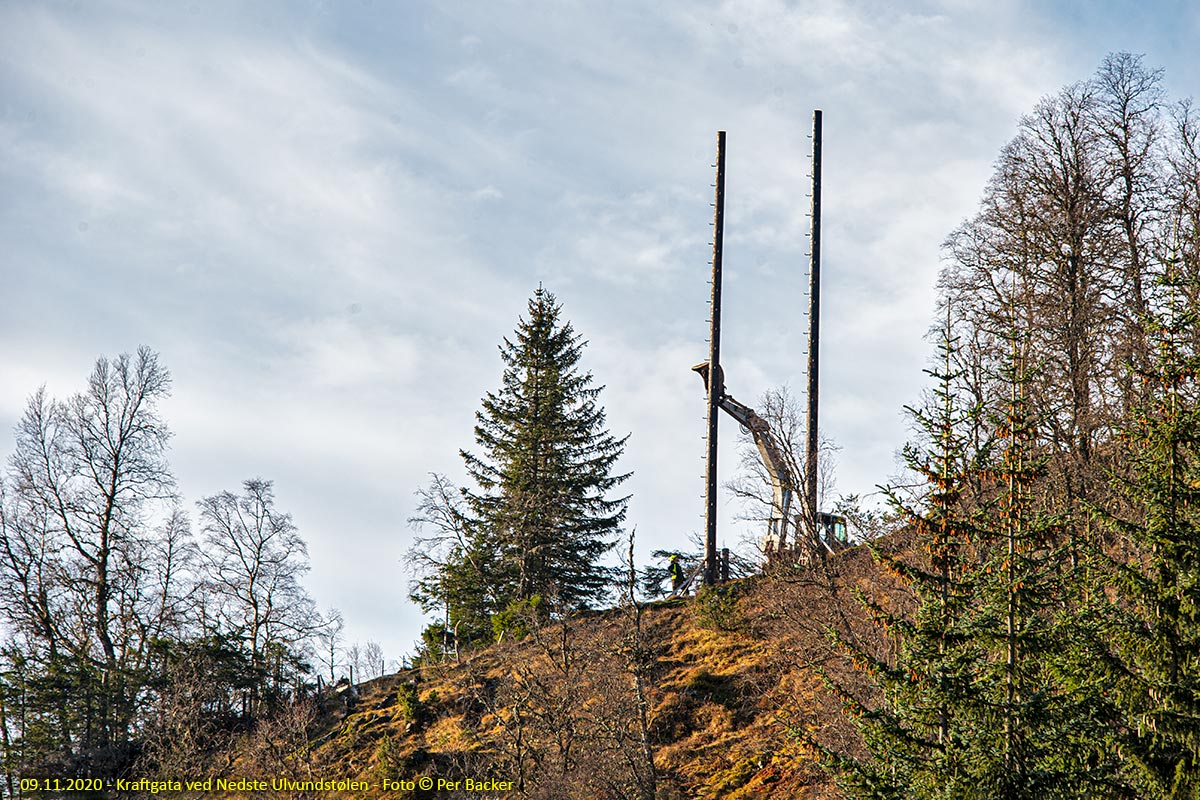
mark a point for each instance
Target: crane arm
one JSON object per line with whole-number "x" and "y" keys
{"x": 783, "y": 482}
{"x": 772, "y": 455}
{"x": 768, "y": 447}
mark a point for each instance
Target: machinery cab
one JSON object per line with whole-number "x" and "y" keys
{"x": 830, "y": 538}
{"x": 832, "y": 529}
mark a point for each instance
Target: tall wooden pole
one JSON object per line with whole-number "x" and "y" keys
{"x": 715, "y": 386}
{"x": 814, "y": 329}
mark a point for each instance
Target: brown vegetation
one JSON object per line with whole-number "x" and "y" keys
{"x": 730, "y": 678}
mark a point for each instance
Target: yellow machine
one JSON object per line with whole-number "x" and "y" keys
{"x": 831, "y": 534}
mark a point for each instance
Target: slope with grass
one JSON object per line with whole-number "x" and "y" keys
{"x": 728, "y": 681}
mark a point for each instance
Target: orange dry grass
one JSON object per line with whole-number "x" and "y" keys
{"x": 723, "y": 703}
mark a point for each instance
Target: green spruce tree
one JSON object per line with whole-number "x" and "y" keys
{"x": 1021, "y": 726}
{"x": 540, "y": 516}
{"x": 978, "y": 701}
{"x": 913, "y": 731}
{"x": 1020, "y": 744}
{"x": 1152, "y": 667}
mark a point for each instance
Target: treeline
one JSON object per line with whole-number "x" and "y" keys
{"x": 140, "y": 640}
{"x": 133, "y": 640}
{"x": 1051, "y": 648}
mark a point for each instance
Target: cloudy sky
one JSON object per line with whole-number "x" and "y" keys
{"x": 325, "y": 215}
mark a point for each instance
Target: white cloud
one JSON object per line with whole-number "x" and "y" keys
{"x": 336, "y": 352}
{"x": 488, "y": 192}
{"x": 326, "y": 222}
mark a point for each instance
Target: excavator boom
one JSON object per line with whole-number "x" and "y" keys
{"x": 783, "y": 482}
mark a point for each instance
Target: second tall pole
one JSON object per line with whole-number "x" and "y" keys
{"x": 814, "y": 334}
{"x": 715, "y": 384}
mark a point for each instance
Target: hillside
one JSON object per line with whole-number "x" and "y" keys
{"x": 726, "y": 679}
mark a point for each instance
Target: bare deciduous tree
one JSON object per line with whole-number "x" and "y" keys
{"x": 354, "y": 660}
{"x": 447, "y": 574}
{"x": 254, "y": 559}
{"x": 754, "y": 487}
{"x": 373, "y": 660}
{"x": 329, "y": 639}
{"x": 81, "y": 484}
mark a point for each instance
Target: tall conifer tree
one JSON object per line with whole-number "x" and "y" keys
{"x": 540, "y": 514}
{"x": 914, "y": 736}
{"x": 1022, "y": 725}
{"x": 1154, "y": 665}
{"x": 975, "y": 703}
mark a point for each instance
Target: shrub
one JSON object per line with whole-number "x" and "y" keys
{"x": 716, "y": 608}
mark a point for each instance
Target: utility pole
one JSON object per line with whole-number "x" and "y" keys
{"x": 715, "y": 384}
{"x": 814, "y": 330}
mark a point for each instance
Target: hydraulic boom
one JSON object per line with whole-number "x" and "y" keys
{"x": 783, "y": 482}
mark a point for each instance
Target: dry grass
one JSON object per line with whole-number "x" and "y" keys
{"x": 725, "y": 700}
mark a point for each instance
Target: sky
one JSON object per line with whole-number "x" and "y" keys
{"x": 325, "y": 216}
